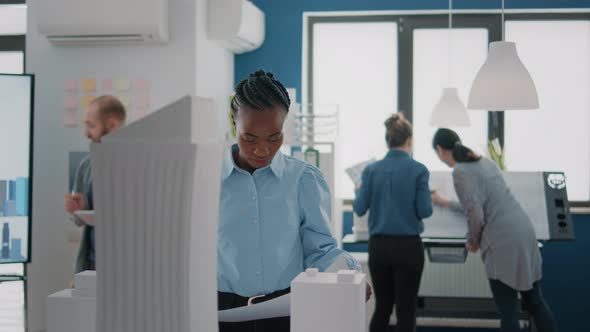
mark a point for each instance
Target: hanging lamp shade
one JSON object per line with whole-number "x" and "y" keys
{"x": 503, "y": 82}
{"x": 449, "y": 111}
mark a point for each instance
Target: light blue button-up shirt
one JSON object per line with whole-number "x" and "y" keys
{"x": 273, "y": 225}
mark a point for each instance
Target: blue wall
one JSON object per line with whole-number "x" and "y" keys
{"x": 281, "y": 51}
{"x": 566, "y": 280}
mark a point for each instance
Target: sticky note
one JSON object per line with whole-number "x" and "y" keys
{"x": 71, "y": 86}
{"x": 122, "y": 85}
{"x": 70, "y": 118}
{"x": 142, "y": 101}
{"x": 71, "y": 103}
{"x": 107, "y": 85}
{"x": 88, "y": 85}
{"x": 86, "y": 100}
{"x": 125, "y": 100}
{"x": 141, "y": 85}
{"x": 140, "y": 112}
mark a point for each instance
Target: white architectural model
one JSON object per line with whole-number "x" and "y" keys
{"x": 328, "y": 302}
{"x": 156, "y": 197}
{"x": 74, "y": 310}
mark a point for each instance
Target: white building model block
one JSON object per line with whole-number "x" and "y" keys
{"x": 328, "y": 302}
{"x": 85, "y": 284}
{"x": 156, "y": 198}
{"x": 74, "y": 310}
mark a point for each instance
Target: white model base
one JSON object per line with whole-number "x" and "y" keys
{"x": 328, "y": 302}
{"x": 74, "y": 310}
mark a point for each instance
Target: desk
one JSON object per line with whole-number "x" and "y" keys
{"x": 454, "y": 294}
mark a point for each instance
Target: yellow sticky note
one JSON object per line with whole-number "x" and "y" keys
{"x": 122, "y": 85}
{"x": 86, "y": 100}
{"x": 88, "y": 85}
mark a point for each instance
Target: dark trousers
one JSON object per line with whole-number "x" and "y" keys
{"x": 506, "y": 299}
{"x": 396, "y": 264}
{"x": 229, "y": 301}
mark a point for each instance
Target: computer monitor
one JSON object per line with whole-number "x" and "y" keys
{"x": 16, "y": 137}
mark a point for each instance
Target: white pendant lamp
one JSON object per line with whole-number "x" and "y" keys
{"x": 450, "y": 110}
{"x": 503, "y": 82}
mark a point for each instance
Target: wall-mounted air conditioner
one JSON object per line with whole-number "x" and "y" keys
{"x": 237, "y": 25}
{"x": 102, "y": 21}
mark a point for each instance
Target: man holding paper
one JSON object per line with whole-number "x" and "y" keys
{"x": 103, "y": 115}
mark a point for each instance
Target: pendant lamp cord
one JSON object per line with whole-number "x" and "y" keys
{"x": 502, "y": 20}
{"x": 450, "y": 43}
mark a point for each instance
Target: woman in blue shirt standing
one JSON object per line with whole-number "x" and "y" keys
{"x": 274, "y": 209}
{"x": 395, "y": 190}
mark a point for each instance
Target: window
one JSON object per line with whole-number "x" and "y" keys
{"x": 557, "y": 135}
{"x": 359, "y": 76}
{"x": 12, "y": 306}
{"x": 12, "y": 62}
{"x": 431, "y": 53}
{"x": 410, "y": 74}
{"x": 13, "y": 15}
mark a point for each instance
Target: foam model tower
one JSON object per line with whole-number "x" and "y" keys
{"x": 156, "y": 198}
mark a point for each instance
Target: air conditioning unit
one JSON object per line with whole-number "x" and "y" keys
{"x": 102, "y": 21}
{"x": 237, "y": 25}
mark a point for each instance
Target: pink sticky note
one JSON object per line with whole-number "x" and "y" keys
{"x": 71, "y": 103}
{"x": 141, "y": 85}
{"x": 142, "y": 101}
{"x": 71, "y": 86}
{"x": 140, "y": 112}
{"x": 107, "y": 85}
{"x": 70, "y": 118}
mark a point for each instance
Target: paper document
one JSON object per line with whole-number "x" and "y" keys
{"x": 277, "y": 307}
{"x": 355, "y": 172}
{"x": 87, "y": 216}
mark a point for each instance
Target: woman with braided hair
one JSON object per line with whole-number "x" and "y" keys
{"x": 395, "y": 191}
{"x": 274, "y": 209}
{"x": 500, "y": 228}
